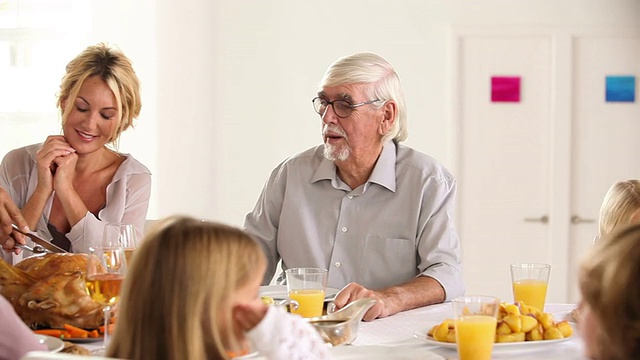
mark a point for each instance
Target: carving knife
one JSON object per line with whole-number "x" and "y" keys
{"x": 38, "y": 240}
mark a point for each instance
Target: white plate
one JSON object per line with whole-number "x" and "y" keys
{"x": 527, "y": 346}
{"x": 279, "y": 292}
{"x": 53, "y": 344}
{"x": 380, "y": 352}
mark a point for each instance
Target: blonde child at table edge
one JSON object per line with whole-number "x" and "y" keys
{"x": 620, "y": 206}
{"x": 610, "y": 308}
{"x": 192, "y": 292}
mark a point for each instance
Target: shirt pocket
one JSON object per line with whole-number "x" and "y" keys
{"x": 388, "y": 261}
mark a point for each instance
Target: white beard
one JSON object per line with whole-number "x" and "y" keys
{"x": 333, "y": 154}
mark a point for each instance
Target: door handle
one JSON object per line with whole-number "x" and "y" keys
{"x": 575, "y": 219}
{"x": 543, "y": 219}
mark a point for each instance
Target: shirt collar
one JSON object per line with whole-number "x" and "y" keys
{"x": 383, "y": 174}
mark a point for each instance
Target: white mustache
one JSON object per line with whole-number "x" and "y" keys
{"x": 334, "y": 129}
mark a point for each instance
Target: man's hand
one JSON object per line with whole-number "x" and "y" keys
{"x": 10, "y": 214}
{"x": 384, "y": 307}
{"x": 420, "y": 291}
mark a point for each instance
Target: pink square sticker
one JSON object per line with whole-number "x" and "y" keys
{"x": 505, "y": 89}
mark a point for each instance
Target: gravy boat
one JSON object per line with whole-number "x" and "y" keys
{"x": 341, "y": 327}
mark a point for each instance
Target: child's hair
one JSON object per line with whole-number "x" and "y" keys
{"x": 620, "y": 205}
{"x": 608, "y": 283}
{"x": 178, "y": 287}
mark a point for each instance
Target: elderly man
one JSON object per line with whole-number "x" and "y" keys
{"x": 378, "y": 215}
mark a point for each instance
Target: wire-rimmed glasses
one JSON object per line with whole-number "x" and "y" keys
{"x": 342, "y": 108}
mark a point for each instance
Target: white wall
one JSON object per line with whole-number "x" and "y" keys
{"x": 235, "y": 80}
{"x": 227, "y": 84}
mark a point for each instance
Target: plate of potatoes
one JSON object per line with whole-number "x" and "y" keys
{"x": 519, "y": 327}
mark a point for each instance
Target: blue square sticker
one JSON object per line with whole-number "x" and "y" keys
{"x": 621, "y": 88}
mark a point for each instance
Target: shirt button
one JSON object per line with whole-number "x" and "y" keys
{"x": 350, "y": 196}
{"x": 338, "y": 264}
{"x": 344, "y": 229}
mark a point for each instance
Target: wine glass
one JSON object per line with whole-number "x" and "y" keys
{"x": 126, "y": 237}
{"x": 106, "y": 269}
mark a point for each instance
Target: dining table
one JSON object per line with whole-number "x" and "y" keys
{"x": 403, "y": 337}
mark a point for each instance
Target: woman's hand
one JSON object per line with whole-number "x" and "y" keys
{"x": 53, "y": 148}
{"x": 65, "y": 171}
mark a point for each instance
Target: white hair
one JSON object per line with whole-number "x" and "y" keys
{"x": 368, "y": 68}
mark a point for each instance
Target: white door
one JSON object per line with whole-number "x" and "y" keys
{"x": 508, "y": 153}
{"x": 606, "y": 135}
{"x": 503, "y": 169}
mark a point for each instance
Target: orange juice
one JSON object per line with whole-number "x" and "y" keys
{"x": 475, "y": 335}
{"x": 310, "y": 302}
{"x": 532, "y": 292}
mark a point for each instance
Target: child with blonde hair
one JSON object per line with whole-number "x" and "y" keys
{"x": 621, "y": 206}
{"x": 192, "y": 292}
{"x": 610, "y": 309}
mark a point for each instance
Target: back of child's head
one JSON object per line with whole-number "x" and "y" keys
{"x": 621, "y": 205}
{"x": 608, "y": 283}
{"x": 177, "y": 290}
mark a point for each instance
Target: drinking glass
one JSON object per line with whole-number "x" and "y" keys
{"x": 123, "y": 235}
{"x": 530, "y": 282}
{"x": 106, "y": 269}
{"x": 307, "y": 287}
{"x": 475, "y": 324}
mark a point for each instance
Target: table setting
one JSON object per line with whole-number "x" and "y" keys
{"x": 405, "y": 335}
{"x": 56, "y": 280}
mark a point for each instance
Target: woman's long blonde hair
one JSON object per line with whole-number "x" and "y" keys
{"x": 609, "y": 285}
{"x": 177, "y": 288}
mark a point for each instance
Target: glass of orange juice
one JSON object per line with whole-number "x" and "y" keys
{"x": 530, "y": 282}
{"x": 306, "y": 285}
{"x": 475, "y": 324}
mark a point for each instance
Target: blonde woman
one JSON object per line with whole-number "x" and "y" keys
{"x": 610, "y": 308}
{"x": 192, "y": 292}
{"x": 72, "y": 184}
{"x": 621, "y": 206}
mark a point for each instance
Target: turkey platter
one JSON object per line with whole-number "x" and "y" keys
{"x": 48, "y": 290}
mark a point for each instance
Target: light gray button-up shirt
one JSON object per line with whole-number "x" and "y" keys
{"x": 396, "y": 226}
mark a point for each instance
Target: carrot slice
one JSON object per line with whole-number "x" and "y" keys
{"x": 76, "y": 332}
{"x": 59, "y": 333}
{"x": 112, "y": 327}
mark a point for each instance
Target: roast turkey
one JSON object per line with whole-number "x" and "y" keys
{"x": 48, "y": 290}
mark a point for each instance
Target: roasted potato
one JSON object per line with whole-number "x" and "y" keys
{"x": 516, "y": 322}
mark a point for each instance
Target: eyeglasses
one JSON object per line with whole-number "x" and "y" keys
{"x": 342, "y": 108}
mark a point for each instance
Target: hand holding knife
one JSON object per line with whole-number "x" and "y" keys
{"x": 42, "y": 244}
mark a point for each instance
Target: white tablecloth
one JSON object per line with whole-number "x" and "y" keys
{"x": 398, "y": 331}
{"x": 393, "y": 338}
